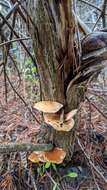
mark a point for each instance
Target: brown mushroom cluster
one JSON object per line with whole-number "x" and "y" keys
{"x": 55, "y": 155}
{"x": 54, "y": 115}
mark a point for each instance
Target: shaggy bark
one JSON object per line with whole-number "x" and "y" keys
{"x": 57, "y": 51}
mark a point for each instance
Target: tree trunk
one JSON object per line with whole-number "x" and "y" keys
{"x": 56, "y": 47}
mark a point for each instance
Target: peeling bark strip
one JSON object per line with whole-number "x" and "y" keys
{"x": 44, "y": 48}
{"x": 25, "y": 147}
{"x": 54, "y": 45}
{"x": 57, "y": 53}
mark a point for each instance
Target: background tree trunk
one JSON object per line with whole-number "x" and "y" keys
{"x": 57, "y": 51}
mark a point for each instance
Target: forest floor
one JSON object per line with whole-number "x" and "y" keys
{"x": 89, "y": 161}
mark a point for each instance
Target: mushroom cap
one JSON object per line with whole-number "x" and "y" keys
{"x": 55, "y": 124}
{"x": 70, "y": 114}
{"x": 54, "y": 121}
{"x": 36, "y": 157}
{"x": 56, "y": 155}
{"x": 68, "y": 125}
{"x": 48, "y": 106}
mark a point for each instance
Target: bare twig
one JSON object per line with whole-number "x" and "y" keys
{"x": 15, "y": 33}
{"x": 14, "y": 40}
{"x": 9, "y": 14}
{"x": 97, "y": 21}
{"x": 4, "y": 70}
{"x": 92, "y": 5}
{"x": 19, "y": 10}
{"x": 15, "y": 65}
{"x": 55, "y": 183}
{"x": 32, "y": 176}
{"x": 1, "y": 63}
{"x": 103, "y": 13}
{"x": 84, "y": 28}
{"x": 94, "y": 177}
{"x": 22, "y": 99}
{"x": 24, "y": 147}
{"x": 12, "y": 59}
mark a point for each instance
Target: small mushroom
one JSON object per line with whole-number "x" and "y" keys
{"x": 56, "y": 155}
{"x": 48, "y": 106}
{"x": 70, "y": 114}
{"x": 54, "y": 121}
{"x": 62, "y": 116}
{"x": 36, "y": 157}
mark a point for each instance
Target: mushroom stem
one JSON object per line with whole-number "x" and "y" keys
{"x": 62, "y": 117}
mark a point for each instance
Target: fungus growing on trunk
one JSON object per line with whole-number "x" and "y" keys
{"x": 48, "y": 106}
{"x": 54, "y": 121}
{"x": 70, "y": 114}
{"x": 68, "y": 125}
{"x": 54, "y": 115}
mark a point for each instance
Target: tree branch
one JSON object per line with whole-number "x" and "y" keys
{"x": 9, "y": 14}
{"x": 103, "y": 13}
{"x": 25, "y": 147}
{"x": 14, "y": 40}
{"x": 102, "y": 52}
{"x": 83, "y": 27}
{"x": 22, "y": 99}
{"x": 15, "y": 33}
